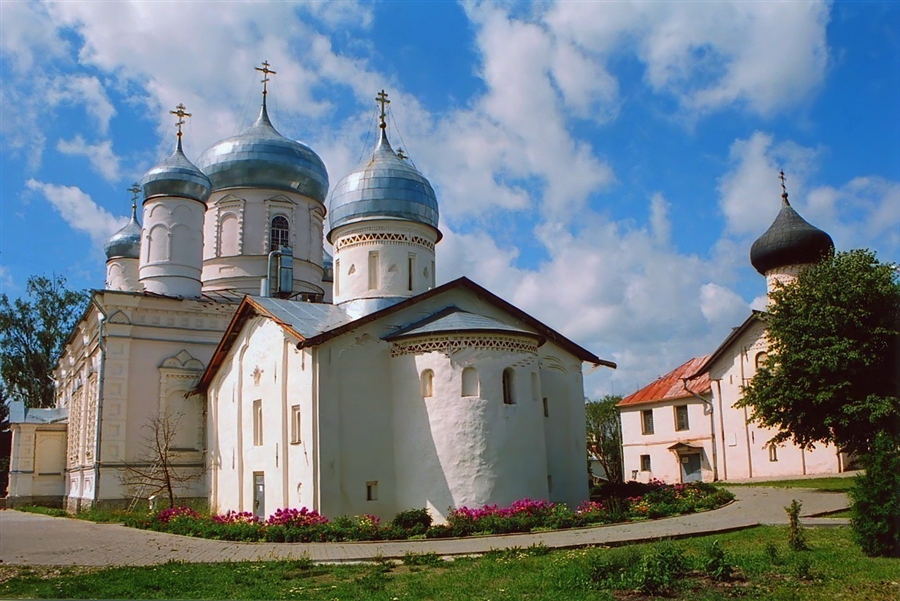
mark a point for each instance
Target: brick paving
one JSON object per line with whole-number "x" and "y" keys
{"x": 33, "y": 539}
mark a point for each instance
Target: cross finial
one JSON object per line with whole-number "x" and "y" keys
{"x": 784, "y": 194}
{"x": 401, "y": 154}
{"x": 266, "y": 71}
{"x": 135, "y": 189}
{"x": 181, "y": 113}
{"x": 382, "y": 99}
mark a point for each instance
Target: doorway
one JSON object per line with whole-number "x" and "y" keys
{"x": 690, "y": 468}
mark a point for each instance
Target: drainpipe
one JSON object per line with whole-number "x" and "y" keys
{"x": 712, "y": 427}
{"x": 100, "y": 377}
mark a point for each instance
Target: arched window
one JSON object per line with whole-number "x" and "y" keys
{"x": 279, "y": 234}
{"x": 470, "y": 382}
{"x": 427, "y": 383}
{"x": 509, "y": 397}
{"x": 761, "y": 359}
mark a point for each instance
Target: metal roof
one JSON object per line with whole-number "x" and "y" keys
{"x": 383, "y": 187}
{"x": 303, "y": 318}
{"x": 260, "y": 157}
{"x": 790, "y": 240}
{"x": 176, "y": 176}
{"x": 671, "y": 386}
{"x": 454, "y": 319}
{"x": 126, "y": 243}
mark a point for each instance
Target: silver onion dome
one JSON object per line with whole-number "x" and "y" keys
{"x": 383, "y": 187}
{"x": 260, "y": 157}
{"x": 176, "y": 176}
{"x": 126, "y": 243}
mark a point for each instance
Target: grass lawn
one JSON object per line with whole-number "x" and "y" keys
{"x": 764, "y": 568}
{"x": 827, "y": 484}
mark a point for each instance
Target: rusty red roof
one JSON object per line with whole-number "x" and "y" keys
{"x": 671, "y": 386}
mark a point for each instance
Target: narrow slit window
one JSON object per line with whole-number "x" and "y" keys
{"x": 546, "y": 407}
{"x": 373, "y": 270}
{"x": 295, "y": 424}
{"x": 509, "y": 397}
{"x": 427, "y": 383}
{"x": 257, "y": 423}
{"x": 411, "y": 271}
{"x": 372, "y": 490}
{"x": 773, "y": 453}
{"x": 337, "y": 277}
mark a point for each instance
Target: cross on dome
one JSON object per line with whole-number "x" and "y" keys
{"x": 784, "y": 194}
{"x": 266, "y": 71}
{"x": 181, "y": 113}
{"x": 382, "y": 99}
{"x": 135, "y": 189}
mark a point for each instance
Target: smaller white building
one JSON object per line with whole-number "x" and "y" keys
{"x": 685, "y": 426}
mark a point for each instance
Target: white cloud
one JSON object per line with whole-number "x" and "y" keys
{"x": 79, "y": 210}
{"x": 765, "y": 56}
{"x": 101, "y": 156}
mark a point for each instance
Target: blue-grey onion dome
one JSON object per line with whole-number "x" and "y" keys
{"x": 126, "y": 243}
{"x": 176, "y": 176}
{"x": 383, "y": 187}
{"x": 260, "y": 157}
{"x": 328, "y": 266}
{"x": 790, "y": 240}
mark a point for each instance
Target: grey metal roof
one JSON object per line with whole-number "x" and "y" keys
{"x": 126, "y": 243}
{"x": 176, "y": 176}
{"x": 260, "y": 157}
{"x": 454, "y": 319}
{"x": 385, "y": 186}
{"x": 790, "y": 240}
{"x": 306, "y": 319}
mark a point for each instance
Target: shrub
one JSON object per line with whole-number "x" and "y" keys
{"x": 415, "y": 521}
{"x": 716, "y": 563}
{"x": 173, "y": 513}
{"x": 660, "y": 569}
{"x": 422, "y": 559}
{"x": 796, "y": 536}
{"x": 875, "y": 517}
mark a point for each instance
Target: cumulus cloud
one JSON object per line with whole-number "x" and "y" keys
{"x": 79, "y": 210}
{"x": 101, "y": 156}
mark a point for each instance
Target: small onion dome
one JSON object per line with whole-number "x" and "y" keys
{"x": 790, "y": 240}
{"x": 261, "y": 157}
{"x": 384, "y": 187}
{"x": 126, "y": 243}
{"x": 176, "y": 176}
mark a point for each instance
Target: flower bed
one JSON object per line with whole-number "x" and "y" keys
{"x": 647, "y": 501}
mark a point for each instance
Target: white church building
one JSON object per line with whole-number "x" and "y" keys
{"x": 349, "y": 386}
{"x": 684, "y": 427}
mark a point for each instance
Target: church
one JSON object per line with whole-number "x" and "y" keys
{"x": 684, "y": 427}
{"x": 348, "y": 385}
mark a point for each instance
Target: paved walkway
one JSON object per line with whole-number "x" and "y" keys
{"x": 33, "y": 539}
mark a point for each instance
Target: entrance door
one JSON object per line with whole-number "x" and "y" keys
{"x": 690, "y": 468}
{"x": 259, "y": 495}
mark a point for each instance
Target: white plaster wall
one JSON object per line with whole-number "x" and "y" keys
{"x": 744, "y": 453}
{"x": 664, "y": 463}
{"x": 453, "y": 451}
{"x": 351, "y": 260}
{"x": 172, "y": 246}
{"x": 122, "y": 274}
{"x": 240, "y": 264}
{"x": 37, "y": 460}
{"x": 783, "y": 275}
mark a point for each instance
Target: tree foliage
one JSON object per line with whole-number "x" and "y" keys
{"x": 32, "y": 334}
{"x": 834, "y": 345}
{"x": 604, "y": 434}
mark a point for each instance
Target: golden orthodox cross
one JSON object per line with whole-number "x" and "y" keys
{"x": 135, "y": 189}
{"x": 382, "y": 99}
{"x": 266, "y": 71}
{"x": 181, "y": 113}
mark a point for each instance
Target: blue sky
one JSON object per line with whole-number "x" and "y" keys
{"x": 603, "y": 165}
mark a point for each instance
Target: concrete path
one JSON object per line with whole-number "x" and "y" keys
{"x": 33, "y": 539}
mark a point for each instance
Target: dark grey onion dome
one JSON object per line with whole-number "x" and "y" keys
{"x": 790, "y": 240}
{"x": 260, "y": 157}
{"x": 176, "y": 176}
{"x": 126, "y": 243}
{"x": 383, "y": 187}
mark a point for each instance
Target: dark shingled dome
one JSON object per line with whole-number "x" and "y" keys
{"x": 790, "y": 240}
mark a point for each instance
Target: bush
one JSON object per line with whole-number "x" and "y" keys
{"x": 660, "y": 569}
{"x": 796, "y": 536}
{"x": 716, "y": 564}
{"x": 875, "y": 515}
{"x": 414, "y": 521}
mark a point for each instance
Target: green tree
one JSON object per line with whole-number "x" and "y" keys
{"x": 604, "y": 434}
{"x": 32, "y": 334}
{"x": 834, "y": 345}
